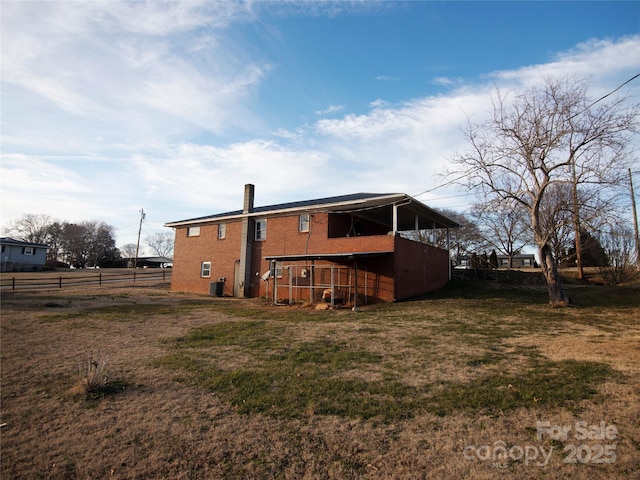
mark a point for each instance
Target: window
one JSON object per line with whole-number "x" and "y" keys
{"x": 205, "y": 270}
{"x": 193, "y": 231}
{"x": 261, "y": 229}
{"x": 28, "y": 251}
{"x": 303, "y": 225}
{"x": 222, "y": 230}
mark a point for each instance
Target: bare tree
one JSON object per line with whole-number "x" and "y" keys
{"x": 598, "y": 207}
{"x": 556, "y": 219}
{"x": 547, "y": 135}
{"x": 504, "y": 226}
{"x": 161, "y": 243}
{"x": 618, "y": 243}
{"x": 32, "y": 228}
{"x": 128, "y": 250}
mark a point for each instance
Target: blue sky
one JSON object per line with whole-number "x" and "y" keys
{"x": 110, "y": 107}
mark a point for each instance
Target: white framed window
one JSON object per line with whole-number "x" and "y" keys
{"x": 28, "y": 251}
{"x": 193, "y": 231}
{"x": 222, "y": 230}
{"x": 261, "y": 229}
{"x": 304, "y": 222}
{"x": 205, "y": 269}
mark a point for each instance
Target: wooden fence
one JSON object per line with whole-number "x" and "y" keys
{"x": 76, "y": 278}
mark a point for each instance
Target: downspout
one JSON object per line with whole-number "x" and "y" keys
{"x": 311, "y": 272}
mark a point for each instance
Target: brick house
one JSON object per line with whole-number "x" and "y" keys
{"x": 345, "y": 249}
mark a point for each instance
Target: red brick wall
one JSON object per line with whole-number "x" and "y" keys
{"x": 283, "y": 238}
{"x": 419, "y": 268}
{"x": 414, "y": 269}
{"x": 190, "y": 252}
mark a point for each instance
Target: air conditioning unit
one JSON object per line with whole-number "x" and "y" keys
{"x": 216, "y": 289}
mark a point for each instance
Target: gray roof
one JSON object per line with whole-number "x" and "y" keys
{"x": 20, "y": 243}
{"x": 371, "y": 205}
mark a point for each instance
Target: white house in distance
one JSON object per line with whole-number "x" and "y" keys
{"x": 18, "y": 256}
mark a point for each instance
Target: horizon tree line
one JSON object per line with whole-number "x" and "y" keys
{"x": 82, "y": 244}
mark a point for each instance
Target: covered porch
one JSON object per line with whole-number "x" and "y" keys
{"x": 344, "y": 279}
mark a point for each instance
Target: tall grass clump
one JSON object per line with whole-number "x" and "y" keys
{"x": 93, "y": 376}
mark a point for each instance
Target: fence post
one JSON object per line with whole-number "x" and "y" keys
{"x": 60, "y": 282}
{"x": 100, "y": 279}
{"x": 163, "y": 272}
{"x": 13, "y": 283}
{"x": 134, "y": 276}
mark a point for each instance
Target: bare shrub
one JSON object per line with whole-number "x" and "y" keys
{"x": 92, "y": 374}
{"x": 618, "y": 244}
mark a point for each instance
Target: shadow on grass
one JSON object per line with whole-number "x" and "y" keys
{"x": 583, "y": 296}
{"x": 94, "y": 395}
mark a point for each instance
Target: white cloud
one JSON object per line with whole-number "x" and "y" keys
{"x": 148, "y": 65}
{"x": 106, "y": 107}
{"x": 605, "y": 62}
{"x": 34, "y": 184}
{"x": 207, "y": 178}
{"x": 330, "y": 109}
{"x": 447, "y": 81}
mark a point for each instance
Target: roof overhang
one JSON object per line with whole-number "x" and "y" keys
{"x": 410, "y": 213}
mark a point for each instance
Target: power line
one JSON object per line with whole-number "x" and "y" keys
{"x": 605, "y": 96}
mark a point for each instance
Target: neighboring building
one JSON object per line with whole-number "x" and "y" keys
{"x": 147, "y": 262}
{"x": 18, "y": 256}
{"x": 521, "y": 260}
{"x": 313, "y": 251}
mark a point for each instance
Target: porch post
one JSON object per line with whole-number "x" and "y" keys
{"x": 395, "y": 218}
{"x": 355, "y": 267}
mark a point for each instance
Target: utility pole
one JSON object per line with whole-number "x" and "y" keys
{"x": 135, "y": 262}
{"x": 635, "y": 222}
{"x": 576, "y": 220}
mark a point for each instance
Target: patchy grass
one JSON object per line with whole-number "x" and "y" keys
{"x": 242, "y": 389}
{"x": 288, "y": 375}
{"x": 308, "y": 377}
{"x": 543, "y": 384}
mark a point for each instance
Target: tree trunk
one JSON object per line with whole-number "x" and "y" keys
{"x": 557, "y": 297}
